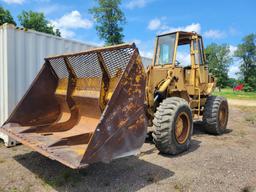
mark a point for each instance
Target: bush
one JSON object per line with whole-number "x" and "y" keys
{"x": 248, "y": 88}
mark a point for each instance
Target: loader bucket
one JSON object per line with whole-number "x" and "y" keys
{"x": 84, "y": 108}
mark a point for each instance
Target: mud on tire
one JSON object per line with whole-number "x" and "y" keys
{"x": 168, "y": 139}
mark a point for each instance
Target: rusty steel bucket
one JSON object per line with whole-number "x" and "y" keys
{"x": 84, "y": 108}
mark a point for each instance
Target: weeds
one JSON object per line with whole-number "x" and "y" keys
{"x": 178, "y": 187}
{"x": 1, "y": 161}
{"x": 251, "y": 119}
{"x": 250, "y": 114}
{"x": 67, "y": 177}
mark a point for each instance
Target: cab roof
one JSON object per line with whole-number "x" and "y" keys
{"x": 184, "y": 36}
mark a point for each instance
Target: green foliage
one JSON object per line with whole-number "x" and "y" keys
{"x": 232, "y": 82}
{"x": 248, "y": 88}
{"x": 6, "y": 17}
{"x": 219, "y": 59}
{"x": 247, "y": 53}
{"x": 37, "y": 22}
{"x": 109, "y": 18}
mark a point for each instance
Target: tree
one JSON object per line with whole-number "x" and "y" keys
{"x": 219, "y": 59}
{"x": 246, "y": 51}
{"x": 109, "y": 18}
{"x": 6, "y": 17}
{"x": 232, "y": 82}
{"x": 37, "y": 22}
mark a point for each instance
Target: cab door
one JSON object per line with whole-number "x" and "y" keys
{"x": 202, "y": 69}
{"x": 163, "y": 61}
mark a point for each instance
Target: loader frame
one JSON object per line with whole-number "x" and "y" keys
{"x": 193, "y": 83}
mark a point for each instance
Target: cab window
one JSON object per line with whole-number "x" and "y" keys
{"x": 199, "y": 52}
{"x": 183, "y": 56}
{"x": 165, "y": 49}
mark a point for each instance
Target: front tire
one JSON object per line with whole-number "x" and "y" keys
{"x": 215, "y": 115}
{"x": 173, "y": 126}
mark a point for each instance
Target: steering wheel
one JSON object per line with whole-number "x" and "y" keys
{"x": 177, "y": 62}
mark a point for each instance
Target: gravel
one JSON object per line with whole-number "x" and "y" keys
{"x": 213, "y": 163}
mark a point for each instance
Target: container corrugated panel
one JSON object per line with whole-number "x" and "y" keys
{"x": 3, "y": 76}
{"x": 22, "y": 54}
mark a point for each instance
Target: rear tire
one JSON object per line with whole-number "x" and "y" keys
{"x": 173, "y": 126}
{"x": 215, "y": 115}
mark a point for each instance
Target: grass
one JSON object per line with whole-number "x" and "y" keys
{"x": 230, "y": 94}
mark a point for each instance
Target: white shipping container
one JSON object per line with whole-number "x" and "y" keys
{"x": 22, "y": 54}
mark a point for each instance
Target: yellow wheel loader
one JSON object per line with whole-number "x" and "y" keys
{"x": 97, "y": 105}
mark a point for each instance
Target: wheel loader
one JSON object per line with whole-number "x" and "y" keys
{"x": 97, "y": 105}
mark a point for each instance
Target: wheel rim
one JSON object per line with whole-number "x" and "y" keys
{"x": 182, "y": 128}
{"x": 222, "y": 116}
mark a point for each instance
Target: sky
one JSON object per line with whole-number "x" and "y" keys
{"x": 219, "y": 21}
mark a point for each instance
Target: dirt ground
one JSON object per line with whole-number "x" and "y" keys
{"x": 213, "y": 163}
{"x": 239, "y": 102}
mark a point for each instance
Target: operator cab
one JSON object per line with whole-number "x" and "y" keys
{"x": 179, "y": 49}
